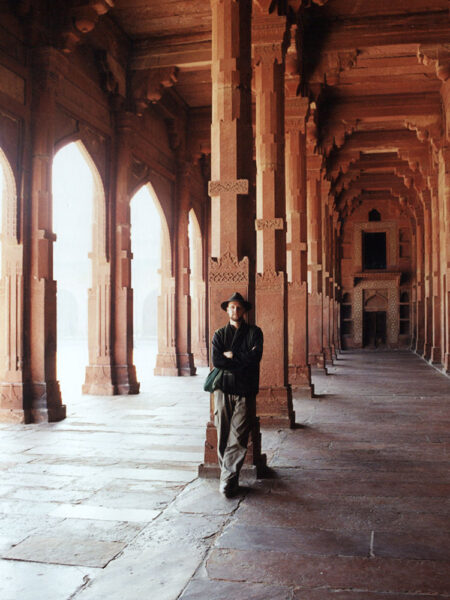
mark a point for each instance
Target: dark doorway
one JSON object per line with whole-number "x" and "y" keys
{"x": 374, "y": 329}
{"x": 374, "y": 250}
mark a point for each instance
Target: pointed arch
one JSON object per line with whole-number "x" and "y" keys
{"x": 197, "y": 292}
{"x": 166, "y": 307}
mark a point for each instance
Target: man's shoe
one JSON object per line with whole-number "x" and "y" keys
{"x": 229, "y": 490}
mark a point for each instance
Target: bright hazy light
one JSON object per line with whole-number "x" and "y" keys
{"x": 2, "y": 201}
{"x": 72, "y": 223}
{"x": 146, "y": 248}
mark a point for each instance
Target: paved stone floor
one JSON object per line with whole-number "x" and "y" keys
{"x": 107, "y": 505}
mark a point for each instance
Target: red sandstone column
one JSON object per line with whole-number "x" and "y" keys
{"x": 99, "y": 372}
{"x": 428, "y": 292}
{"x": 185, "y": 359}
{"x": 295, "y": 110}
{"x": 419, "y": 344}
{"x": 44, "y": 402}
{"x": 444, "y": 193}
{"x": 124, "y": 370}
{"x": 315, "y": 296}
{"x": 436, "y": 350}
{"x": 326, "y": 262}
{"x": 232, "y": 246}
{"x": 274, "y": 402}
{"x": 12, "y": 385}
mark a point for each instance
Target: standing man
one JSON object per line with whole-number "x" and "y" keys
{"x": 237, "y": 349}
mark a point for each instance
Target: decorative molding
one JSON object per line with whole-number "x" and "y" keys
{"x": 238, "y": 186}
{"x": 228, "y": 269}
{"x": 263, "y": 224}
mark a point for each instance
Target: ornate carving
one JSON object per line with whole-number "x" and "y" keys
{"x": 270, "y": 280}
{"x": 238, "y": 186}
{"x": 393, "y": 323}
{"x": 262, "y": 224}
{"x": 228, "y": 269}
{"x": 148, "y": 85}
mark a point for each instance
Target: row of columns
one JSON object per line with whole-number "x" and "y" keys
{"x": 29, "y": 389}
{"x": 283, "y": 273}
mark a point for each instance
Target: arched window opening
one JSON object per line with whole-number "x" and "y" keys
{"x": 374, "y": 215}
{"x": 146, "y": 240}
{"x": 73, "y": 196}
{"x": 197, "y": 292}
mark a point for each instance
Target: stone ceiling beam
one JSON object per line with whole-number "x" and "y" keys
{"x": 181, "y": 53}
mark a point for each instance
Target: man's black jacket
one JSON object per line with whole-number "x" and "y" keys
{"x": 241, "y": 373}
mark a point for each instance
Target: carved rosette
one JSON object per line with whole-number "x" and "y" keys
{"x": 228, "y": 269}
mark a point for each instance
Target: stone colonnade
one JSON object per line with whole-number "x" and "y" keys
{"x": 123, "y": 156}
{"x": 273, "y": 227}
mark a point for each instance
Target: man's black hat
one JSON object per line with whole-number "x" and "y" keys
{"x": 236, "y": 297}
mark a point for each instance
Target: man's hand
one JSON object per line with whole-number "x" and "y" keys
{"x": 228, "y": 354}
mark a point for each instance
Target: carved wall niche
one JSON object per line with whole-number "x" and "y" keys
{"x": 390, "y": 227}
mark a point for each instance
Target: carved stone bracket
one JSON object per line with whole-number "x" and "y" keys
{"x": 238, "y": 186}
{"x": 427, "y": 129}
{"x": 82, "y": 16}
{"x": 147, "y": 86}
{"x": 261, "y": 224}
{"x": 437, "y": 55}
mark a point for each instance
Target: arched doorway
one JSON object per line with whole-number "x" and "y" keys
{"x": 73, "y": 199}
{"x": 146, "y": 240}
{"x": 375, "y": 309}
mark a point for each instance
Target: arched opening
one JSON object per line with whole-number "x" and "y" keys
{"x": 73, "y": 199}
{"x": 11, "y": 291}
{"x": 197, "y": 292}
{"x": 146, "y": 246}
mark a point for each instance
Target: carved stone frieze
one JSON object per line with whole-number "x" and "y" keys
{"x": 228, "y": 269}
{"x": 238, "y": 186}
{"x": 263, "y": 224}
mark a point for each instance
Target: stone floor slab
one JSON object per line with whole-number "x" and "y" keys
{"x": 85, "y": 511}
{"x": 230, "y": 590}
{"x": 65, "y": 551}
{"x": 295, "y": 541}
{"x": 29, "y": 581}
{"x": 365, "y": 574}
